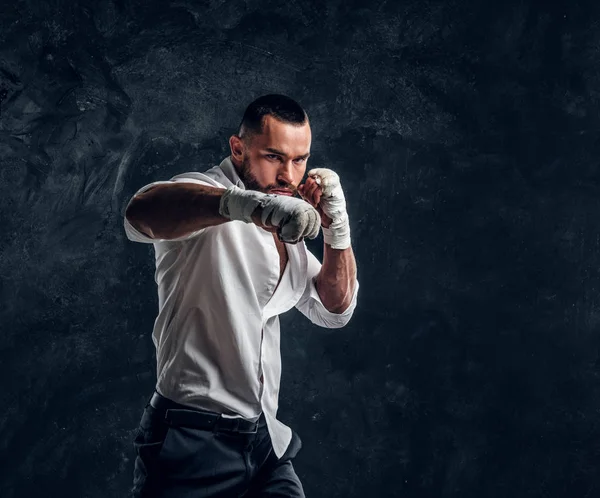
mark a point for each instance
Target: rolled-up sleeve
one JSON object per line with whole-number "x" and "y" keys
{"x": 311, "y": 306}
{"x": 135, "y": 235}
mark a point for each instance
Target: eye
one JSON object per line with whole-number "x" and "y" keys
{"x": 300, "y": 160}
{"x": 273, "y": 157}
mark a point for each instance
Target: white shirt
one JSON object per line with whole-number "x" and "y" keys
{"x": 217, "y": 329}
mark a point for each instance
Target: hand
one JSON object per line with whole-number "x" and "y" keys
{"x": 323, "y": 191}
{"x": 291, "y": 218}
{"x": 311, "y": 192}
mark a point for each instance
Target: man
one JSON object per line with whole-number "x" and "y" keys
{"x": 231, "y": 257}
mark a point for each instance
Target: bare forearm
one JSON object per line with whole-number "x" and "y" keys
{"x": 175, "y": 210}
{"x": 337, "y": 278}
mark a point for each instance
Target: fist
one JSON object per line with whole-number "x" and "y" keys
{"x": 323, "y": 191}
{"x": 291, "y": 218}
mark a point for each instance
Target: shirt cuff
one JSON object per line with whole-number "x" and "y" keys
{"x": 326, "y": 318}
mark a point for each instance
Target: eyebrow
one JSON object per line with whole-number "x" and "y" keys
{"x": 275, "y": 151}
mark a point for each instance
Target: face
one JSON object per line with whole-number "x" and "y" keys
{"x": 273, "y": 162}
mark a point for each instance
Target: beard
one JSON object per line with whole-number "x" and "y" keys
{"x": 251, "y": 182}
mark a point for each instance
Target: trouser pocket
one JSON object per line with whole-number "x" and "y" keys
{"x": 148, "y": 444}
{"x": 174, "y": 460}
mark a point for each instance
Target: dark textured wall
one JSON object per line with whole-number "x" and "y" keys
{"x": 466, "y": 136}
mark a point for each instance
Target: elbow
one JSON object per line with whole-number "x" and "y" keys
{"x": 133, "y": 214}
{"x": 336, "y": 298}
{"x": 131, "y": 211}
{"x": 331, "y": 318}
{"x": 338, "y": 309}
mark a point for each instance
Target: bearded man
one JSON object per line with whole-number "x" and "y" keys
{"x": 230, "y": 258}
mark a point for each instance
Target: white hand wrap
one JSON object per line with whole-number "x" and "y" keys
{"x": 295, "y": 218}
{"x": 333, "y": 204}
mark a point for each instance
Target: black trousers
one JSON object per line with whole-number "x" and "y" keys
{"x": 177, "y": 461}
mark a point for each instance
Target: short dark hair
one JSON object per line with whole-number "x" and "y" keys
{"x": 279, "y": 106}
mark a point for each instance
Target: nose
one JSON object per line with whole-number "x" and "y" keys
{"x": 284, "y": 175}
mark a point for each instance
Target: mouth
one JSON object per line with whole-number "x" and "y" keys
{"x": 283, "y": 191}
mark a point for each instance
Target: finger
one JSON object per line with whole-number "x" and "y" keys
{"x": 309, "y": 180}
{"x": 308, "y": 229}
{"x": 309, "y": 184}
{"x": 316, "y": 175}
{"x": 301, "y": 190}
{"x": 287, "y": 240}
{"x": 328, "y": 179}
{"x": 299, "y": 226}
{"x": 315, "y": 223}
{"x": 317, "y": 227}
{"x": 310, "y": 192}
{"x": 292, "y": 230}
{"x": 305, "y": 193}
{"x": 318, "y": 181}
{"x": 306, "y": 196}
{"x": 318, "y": 195}
{"x": 314, "y": 184}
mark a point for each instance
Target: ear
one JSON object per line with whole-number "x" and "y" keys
{"x": 237, "y": 148}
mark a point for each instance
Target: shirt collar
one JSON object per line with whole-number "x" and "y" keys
{"x": 231, "y": 173}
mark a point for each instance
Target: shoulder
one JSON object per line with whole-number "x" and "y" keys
{"x": 212, "y": 177}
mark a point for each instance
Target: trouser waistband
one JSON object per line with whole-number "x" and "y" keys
{"x": 184, "y": 416}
